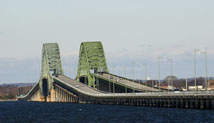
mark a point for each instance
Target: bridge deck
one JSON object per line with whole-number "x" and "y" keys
{"x": 84, "y": 89}
{"x": 125, "y": 82}
{"x": 69, "y": 90}
{"x": 76, "y": 85}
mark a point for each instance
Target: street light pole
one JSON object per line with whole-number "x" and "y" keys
{"x": 204, "y": 53}
{"x": 109, "y": 84}
{"x": 195, "y": 50}
{"x": 206, "y": 71}
{"x": 186, "y": 83}
{"x": 168, "y": 84}
{"x": 133, "y": 74}
{"x": 125, "y": 77}
{"x": 113, "y": 81}
{"x": 206, "y": 78}
{"x": 145, "y": 66}
{"x": 145, "y": 70}
{"x": 133, "y": 71}
{"x": 170, "y": 59}
{"x": 159, "y": 71}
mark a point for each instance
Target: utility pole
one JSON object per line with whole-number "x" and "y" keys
{"x": 125, "y": 77}
{"x": 159, "y": 71}
{"x": 195, "y": 50}
{"x": 113, "y": 82}
{"x": 186, "y": 83}
{"x": 133, "y": 74}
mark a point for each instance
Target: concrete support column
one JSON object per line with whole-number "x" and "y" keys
{"x": 202, "y": 104}
{"x": 161, "y": 103}
{"x": 177, "y": 103}
{"x": 186, "y": 103}
{"x": 212, "y": 103}
{"x": 169, "y": 102}
{"x": 144, "y": 102}
{"x": 208, "y": 104}
{"x": 181, "y": 103}
{"x": 165, "y": 103}
{"x": 191, "y": 105}
{"x": 153, "y": 102}
{"x": 196, "y": 103}
{"x": 150, "y": 102}
{"x": 53, "y": 95}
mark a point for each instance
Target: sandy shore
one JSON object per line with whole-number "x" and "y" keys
{"x": 8, "y": 100}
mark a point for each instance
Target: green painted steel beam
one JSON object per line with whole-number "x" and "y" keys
{"x": 91, "y": 58}
{"x": 51, "y": 64}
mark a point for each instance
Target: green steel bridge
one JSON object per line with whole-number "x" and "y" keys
{"x": 95, "y": 85}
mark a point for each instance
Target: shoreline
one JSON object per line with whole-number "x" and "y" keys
{"x": 7, "y": 100}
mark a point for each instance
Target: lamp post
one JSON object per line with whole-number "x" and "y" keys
{"x": 159, "y": 71}
{"x": 186, "y": 83}
{"x": 208, "y": 81}
{"x": 206, "y": 78}
{"x": 133, "y": 74}
{"x": 201, "y": 51}
{"x": 195, "y": 50}
{"x": 125, "y": 77}
{"x": 171, "y": 61}
{"x": 159, "y": 58}
{"x": 133, "y": 71}
{"x": 109, "y": 84}
{"x": 113, "y": 80}
{"x": 145, "y": 70}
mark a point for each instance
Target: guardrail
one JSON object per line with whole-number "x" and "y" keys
{"x": 131, "y": 80}
{"x": 175, "y": 93}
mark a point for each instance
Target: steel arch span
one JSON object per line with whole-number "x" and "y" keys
{"x": 91, "y": 60}
{"x": 51, "y": 65}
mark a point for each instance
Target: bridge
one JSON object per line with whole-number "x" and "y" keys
{"x": 95, "y": 85}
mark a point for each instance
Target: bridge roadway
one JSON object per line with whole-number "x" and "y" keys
{"x": 85, "y": 94}
{"x": 67, "y": 82}
{"x": 69, "y": 90}
{"x": 80, "y": 87}
{"x": 125, "y": 82}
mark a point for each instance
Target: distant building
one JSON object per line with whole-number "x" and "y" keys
{"x": 211, "y": 88}
{"x": 168, "y": 87}
{"x": 199, "y": 87}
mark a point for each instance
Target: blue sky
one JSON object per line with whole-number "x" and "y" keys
{"x": 131, "y": 31}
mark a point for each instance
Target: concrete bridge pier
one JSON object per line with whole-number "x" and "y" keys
{"x": 165, "y": 102}
{"x": 212, "y": 104}
{"x": 177, "y": 103}
{"x": 161, "y": 103}
{"x": 208, "y": 105}
{"x": 201, "y": 104}
{"x": 169, "y": 103}
{"x": 158, "y": 103}
{"x": 191, "y": 104}
{"x": 186, "y": 103}
{"x": 153, "y": 102}
{"x": 197, "y": 104}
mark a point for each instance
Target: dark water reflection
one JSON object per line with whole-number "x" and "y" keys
{"x": 34, "y": 112}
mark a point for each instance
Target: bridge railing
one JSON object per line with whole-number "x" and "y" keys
{"x": 181, "y": 93}
{"x": 132, "y": 80}
{"x": 29, "y": 92}
{"x": 176, "y": 93}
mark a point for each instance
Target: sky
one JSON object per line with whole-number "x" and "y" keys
{"x": 133, "y": 32}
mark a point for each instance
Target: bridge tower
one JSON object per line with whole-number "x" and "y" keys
{"x": 51, "y": 65}
{"x": 91, "y": 60}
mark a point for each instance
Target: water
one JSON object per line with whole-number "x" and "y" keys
{"x": 34, "y": 112}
